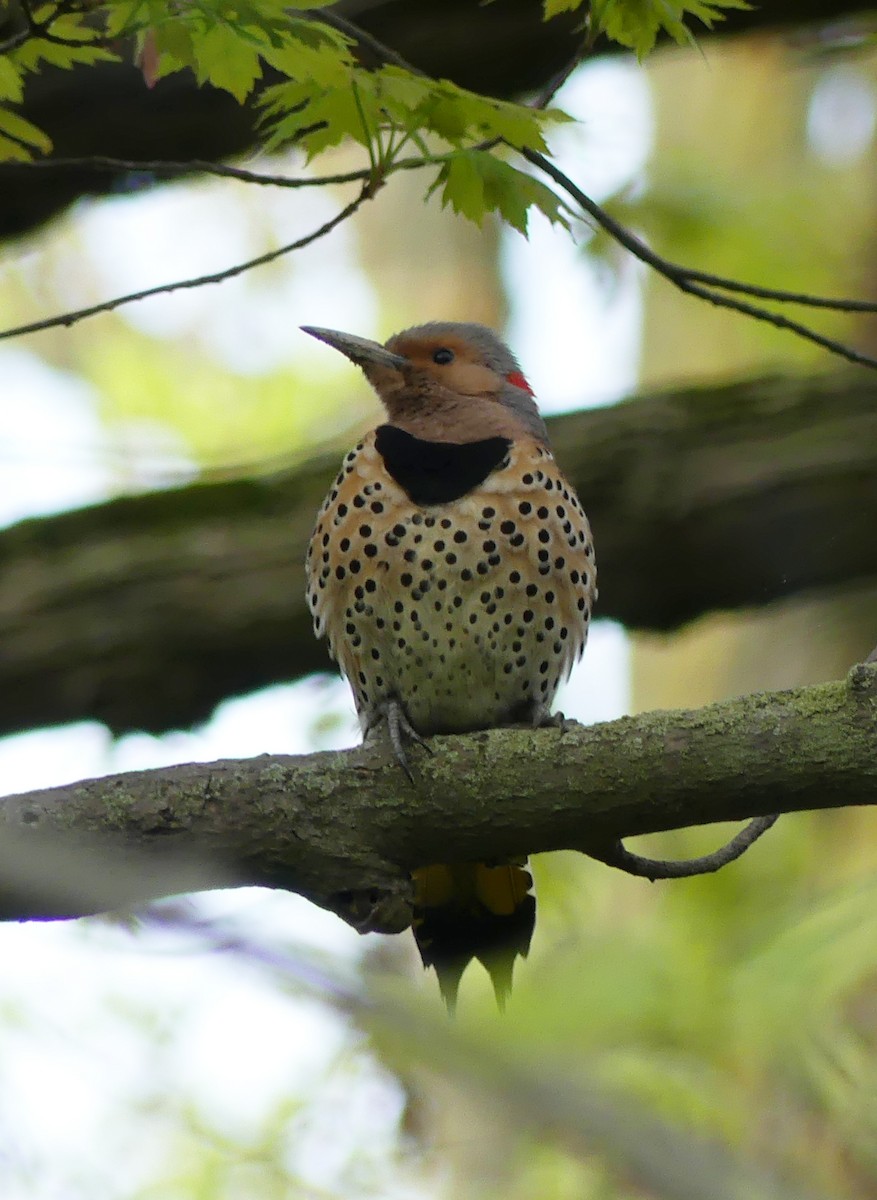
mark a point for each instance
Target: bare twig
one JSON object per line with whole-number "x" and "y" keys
{"x": 382, "y": 52}
{"x": 12, "y": 43}
{"x": 544, "y": 97}
{"x": 667, "y": 868}
{"x": 101, "y": 162}
{"x": 690, "y": 281}
{"x": 71, "y": 318}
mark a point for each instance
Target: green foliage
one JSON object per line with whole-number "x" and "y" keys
{"x": 637, "y": 23}
{"x": 388, "y": 110}
{"x": 474, "y": 184}
{"x": 70, "y": 45}
{"x": 325, "y": 97}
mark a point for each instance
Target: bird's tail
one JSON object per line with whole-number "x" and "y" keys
{"x": 471, "y": 910}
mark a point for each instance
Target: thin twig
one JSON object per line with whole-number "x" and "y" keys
{"x": 380, "y": 50}
{"x": 101, "y": 162}
{"x": 70, "y": 318}
{"x": 660, "y": 868}
{"x": 544, "y": 97}
{"x": 43, "y": 30}
{"x": 687, "y": 281}
{"x": 12, "y": 43}
{"x": 782, "y": 297}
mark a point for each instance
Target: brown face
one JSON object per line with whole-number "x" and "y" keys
{"x": 435, "y": 384}
{"x": 448, "y": 362}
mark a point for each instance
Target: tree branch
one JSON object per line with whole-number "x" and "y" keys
{"x": 713, "y": 288}
{"x": 668, "y": 868}
{"x": 342, "y": 825}
{"x": 72, "y": 317}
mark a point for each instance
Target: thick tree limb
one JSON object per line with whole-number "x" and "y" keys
{"x": 147, "y": 611}
{"x": 345, "y": 828}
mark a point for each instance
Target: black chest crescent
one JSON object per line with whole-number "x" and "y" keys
{"x": 438, "y": 472}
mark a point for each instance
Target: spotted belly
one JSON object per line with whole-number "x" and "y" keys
{"x": 471, "y": 613}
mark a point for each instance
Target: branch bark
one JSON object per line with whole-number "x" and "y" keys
{"x": 339, "y": 826}
{"x": 147, "y": 611}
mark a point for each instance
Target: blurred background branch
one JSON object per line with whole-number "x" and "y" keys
{"x": 714, "y": 495}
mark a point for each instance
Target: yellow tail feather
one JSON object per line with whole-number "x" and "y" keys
{"x": 471, "y": 910}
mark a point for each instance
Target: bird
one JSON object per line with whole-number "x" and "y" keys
{"x": 451, "y": 569}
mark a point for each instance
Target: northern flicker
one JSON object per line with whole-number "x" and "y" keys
{"x": 452, "y": 570}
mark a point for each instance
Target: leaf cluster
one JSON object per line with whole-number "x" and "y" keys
{"x": 55, "y": 37}
{"x": 636, "y": 24}
{"x": 325, "y": 95}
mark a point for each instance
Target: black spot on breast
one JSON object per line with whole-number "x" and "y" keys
{"x": 437, "y": 472}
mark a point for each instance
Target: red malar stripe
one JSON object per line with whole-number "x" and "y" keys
{"x": 518, "y": 380}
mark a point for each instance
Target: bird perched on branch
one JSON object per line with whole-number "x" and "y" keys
{"x": 452, "y": 570}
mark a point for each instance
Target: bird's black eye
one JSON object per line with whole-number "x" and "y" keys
{"x": 443, "y": 356}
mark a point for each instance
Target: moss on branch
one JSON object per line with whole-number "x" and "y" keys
{"x": 334, "y": 825}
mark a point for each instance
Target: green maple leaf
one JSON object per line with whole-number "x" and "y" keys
{"x": 474, "y": 183}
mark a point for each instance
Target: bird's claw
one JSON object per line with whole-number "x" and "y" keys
{"x": 399, "y": 729}
{"x": 544, "y": 719}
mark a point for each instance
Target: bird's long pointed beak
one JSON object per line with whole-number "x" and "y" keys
{"x": 361, "y": 351}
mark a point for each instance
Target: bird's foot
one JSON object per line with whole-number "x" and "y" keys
{"x": 399, "y": 728}
{"x": 543, "y": 718}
